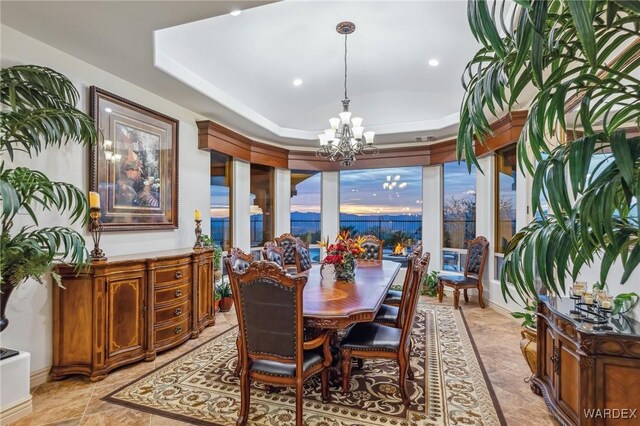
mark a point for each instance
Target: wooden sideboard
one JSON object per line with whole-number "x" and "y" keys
{"x": 128, "y": 308}
{"x": 587, "y": 377}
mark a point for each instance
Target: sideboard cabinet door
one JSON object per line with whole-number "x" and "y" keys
{"x": 126, "y": 306}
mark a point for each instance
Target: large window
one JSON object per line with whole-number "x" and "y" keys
{"x": 220, "y": 200}
{"x": 261, "y": 187}
{"x": 506, "y": 170}
{"x": 458, "y": 213}
{"x": 386, "y": 203}
{"x": 305, "y": 205}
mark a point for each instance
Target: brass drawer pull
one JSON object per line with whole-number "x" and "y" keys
{"x": 178, "y": 293}
{"x": 178, "y": 275}
{"x": 177, "y": 330}
{"x": 178, "y": 311}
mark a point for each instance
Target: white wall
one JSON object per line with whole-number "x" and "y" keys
{"x": 330, "y": 205}
{"x": 241, "y": 204}
{"x": 29, "y": 309}
{"x": 282, "y": 195}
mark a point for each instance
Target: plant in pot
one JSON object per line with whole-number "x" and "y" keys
{"x": 580, "y": 59}
{"x": 216, "y": 300}
{"x": 217, "y": 256}
{"x": 226, "y": 299}
{"x": 38, "y": 112}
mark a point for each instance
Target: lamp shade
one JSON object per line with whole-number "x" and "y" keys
{"x": 356, "y": 121}
{"x": 334, "y": 122}
{"x": 357, "y": 132}
{"x": 345, "y": 116}
{"x": 330, "y": 134}
{"x": 368, "y": 137}
{"x": 323, "y": 139}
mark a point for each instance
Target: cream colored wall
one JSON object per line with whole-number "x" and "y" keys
{"x": 29, "y": 310}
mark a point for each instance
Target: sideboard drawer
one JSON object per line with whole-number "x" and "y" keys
{"x": 174, "y": 311}
{"x": 173, "y": 294}
{"x": 169, "y": 333}
{"x": 175, "y": 274}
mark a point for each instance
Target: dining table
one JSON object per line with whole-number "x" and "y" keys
{"x": 332, "y": 304}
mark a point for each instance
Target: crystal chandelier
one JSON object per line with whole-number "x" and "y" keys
{"x": 346, "y": 138}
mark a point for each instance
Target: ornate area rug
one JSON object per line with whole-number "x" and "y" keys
{"x": 450, "y": 386}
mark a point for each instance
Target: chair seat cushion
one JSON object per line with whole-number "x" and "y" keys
{"x": 393, "y": 297}
{"x": 387, "y": 314}
{"x": 371, "y": 336}
{"x": 275, "y": 368}
{"x": 458, "y": 280}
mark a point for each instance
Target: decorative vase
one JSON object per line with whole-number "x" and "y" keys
{"x": 529, "y": 348}
{"x": 226, "y": 303}
{"x": 6, "y": 289}
{"x": 216, "y": 305}
{"x": 346, "y": 271}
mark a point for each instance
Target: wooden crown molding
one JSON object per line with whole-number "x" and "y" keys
{"x": 214, "y": 137}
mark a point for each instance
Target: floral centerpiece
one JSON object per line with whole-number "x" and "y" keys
{"x": 343, "y": 255}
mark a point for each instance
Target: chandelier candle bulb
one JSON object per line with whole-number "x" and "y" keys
{"x": 197, "y": 215}
{"x": 94, "y": 200}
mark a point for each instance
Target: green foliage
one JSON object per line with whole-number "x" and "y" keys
{"x": 430, "y": 284}
{"x": 529, "y": 317}
{"x": 625, "y": 302}
{"x": 217, "y": 295}
{"x": 224, "y": 288}
{"x": 217, "y": 250}
{"x": 39, "y": 112}
{"x": 564, "y": 50}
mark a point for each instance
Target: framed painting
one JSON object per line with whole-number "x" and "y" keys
{"x": 134, "y": 165}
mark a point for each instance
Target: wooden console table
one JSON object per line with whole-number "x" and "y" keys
{"x": 128, "y": 308}
{"x": 587, "y": 377}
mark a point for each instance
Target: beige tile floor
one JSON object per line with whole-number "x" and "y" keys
{"x": 76, "y": 400}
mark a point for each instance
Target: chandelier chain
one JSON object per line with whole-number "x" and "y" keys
{"x": 345, "y": 66}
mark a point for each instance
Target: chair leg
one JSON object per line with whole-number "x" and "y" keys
{"x": 466, "y": 296}
{"x": 346, "y": 369}
{"x": 403, "y": 363}
{"x": 236, "y": 372}
{"x": 456, "y": 298}
{"x": 409, "y": 370}
{"x": 480, "y": 291}
{"x": 324, "y": 376}
{"x": 245, "y": 395}
{"x": 299, "y": 399}
{"x": 440, "y": 291}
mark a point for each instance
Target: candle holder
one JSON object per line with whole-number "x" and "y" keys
{"x": 95, "y": 227}
{"x": 198, "y": 244}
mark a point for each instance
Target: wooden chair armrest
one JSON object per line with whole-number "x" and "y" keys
{"x": 312, "y": 344}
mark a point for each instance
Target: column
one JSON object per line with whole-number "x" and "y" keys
{"x": 432, "y": 214}
{"x": 485, "y": 220}
{"x": 240, "y": 204}
{"x": 282, "y": 205}
{"x": 330, "y": 211}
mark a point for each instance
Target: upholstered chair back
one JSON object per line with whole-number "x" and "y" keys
{"x": 270, "y": 312}
{"x": 372, "y": 247}
{"x": 413, "y": 259}
{"x": 288, "y": 243}
{"x": 237, "y": 260}
{"x": 273, "y": 253}
{"x": 420, "y": 267}
{"x": 477, "y": 250}
{"x": 302, "y": 256}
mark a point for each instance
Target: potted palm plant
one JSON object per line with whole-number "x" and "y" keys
{"x": 38, "y": 112}
{"x": 226, "y": 299}
{"x": 580, "y": 58}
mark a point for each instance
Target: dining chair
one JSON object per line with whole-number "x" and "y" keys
{"x": 390, "y": 314}
{"x": 270, "y": 320}
{"x": 477, "y": 250}
{"x": 288, "y": 243}
{"x": 395, "y": 296}
{"x": 302, "y": 256}
{"x": 273, "y": 253}
{"x": 372, "y": 247}
{"x": 374, "y": 340}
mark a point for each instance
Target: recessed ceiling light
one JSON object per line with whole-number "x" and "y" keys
{"x": 434, "y": 62}
{"x": 235, "y": 12}
{"x": 108, "y": 110}
{"x": 297, "y": 82}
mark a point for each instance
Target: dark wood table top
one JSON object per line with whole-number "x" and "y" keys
{"x": 337, "y": 304}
